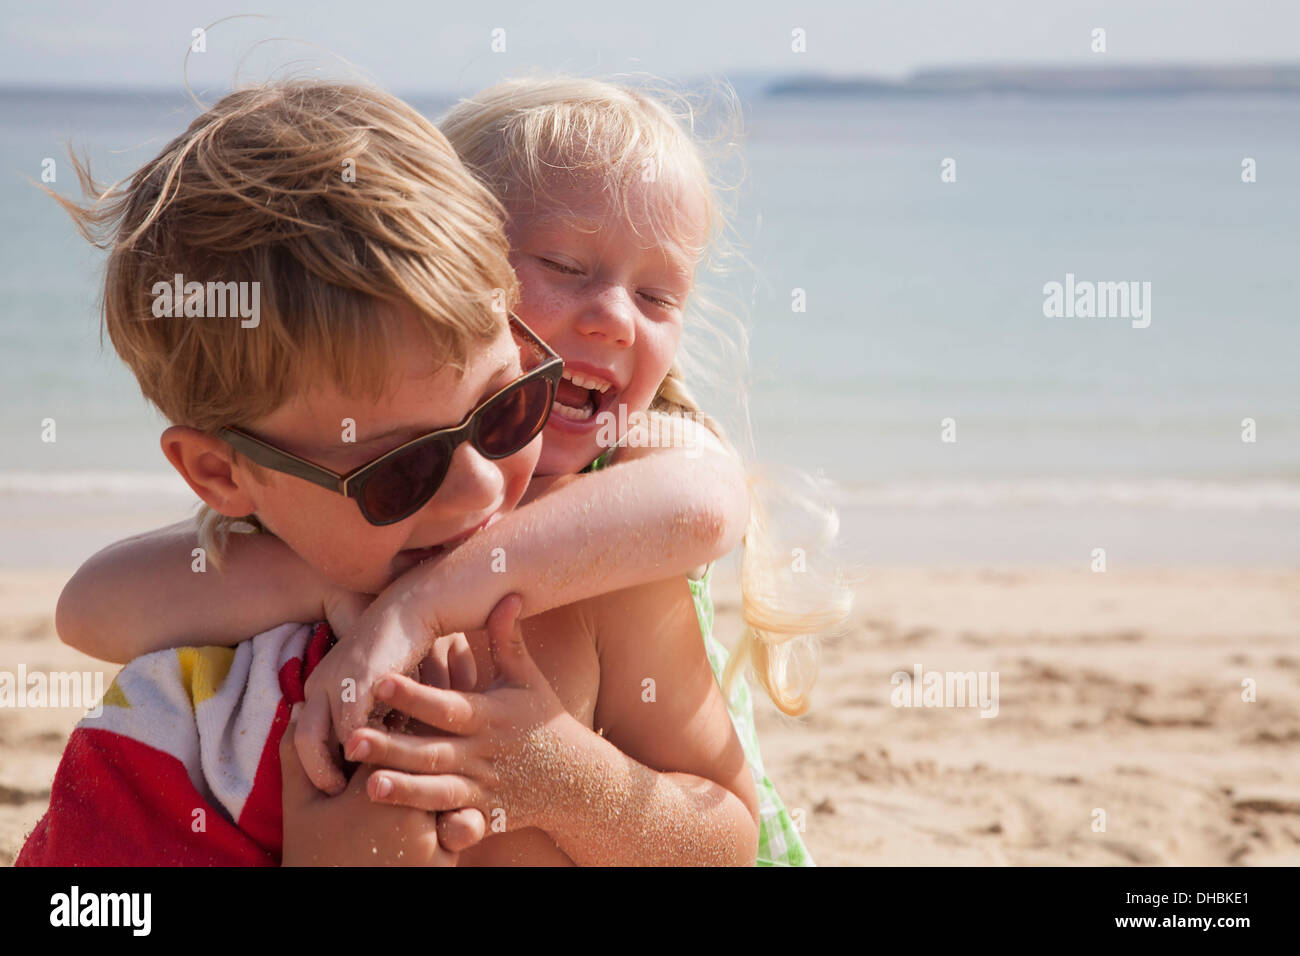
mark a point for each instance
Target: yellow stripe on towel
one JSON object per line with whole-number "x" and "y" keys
{"x": 114, "y": 697}
{"x": 203, "y": 669}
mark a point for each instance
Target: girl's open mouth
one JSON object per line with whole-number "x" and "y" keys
{"x": 580, "y": 397}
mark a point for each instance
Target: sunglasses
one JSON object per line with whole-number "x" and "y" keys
{"x": 399, "y": 483}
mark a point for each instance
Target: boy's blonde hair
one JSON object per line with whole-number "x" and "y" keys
{"x": 524, "y": 138}
{"x": 340, "y": 201}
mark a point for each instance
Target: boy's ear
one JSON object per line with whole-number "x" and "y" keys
{"x": 206, "y": 464}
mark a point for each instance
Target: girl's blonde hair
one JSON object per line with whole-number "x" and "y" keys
{"x": 526, "y": 137}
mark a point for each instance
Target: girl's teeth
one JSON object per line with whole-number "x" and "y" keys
{"x": 588, "y": 383}
{"x": 573, "y": 414}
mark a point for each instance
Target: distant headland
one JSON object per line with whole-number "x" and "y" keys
{"x": 1099, "y": 80}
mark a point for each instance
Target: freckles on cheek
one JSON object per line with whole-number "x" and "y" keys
{"x": 547, "y": 315}
{"x": 536, "y": 294}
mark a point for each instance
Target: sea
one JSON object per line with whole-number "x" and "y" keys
{"x": 897, "y": 257}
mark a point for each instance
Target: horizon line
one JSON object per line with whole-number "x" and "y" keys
{"x": 768, "y": 77}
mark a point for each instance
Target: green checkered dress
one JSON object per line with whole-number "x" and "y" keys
{"x": 778, "y": 838}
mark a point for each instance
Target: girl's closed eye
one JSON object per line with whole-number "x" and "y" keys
{"x": 559, "y": 266}
{"x": 659, "y": 299}
{"x": 662, "y": 300}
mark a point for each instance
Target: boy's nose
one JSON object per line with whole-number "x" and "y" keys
{"x": 610, "y": 314}
{"x": 473, "y": 485}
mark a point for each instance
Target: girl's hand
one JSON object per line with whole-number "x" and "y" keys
{"x": 350, "y": 830}
{"x": 338, "y": 696}
{"x": 505, "y": 748}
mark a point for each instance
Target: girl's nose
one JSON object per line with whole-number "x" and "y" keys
{"x": 610, "y": 314}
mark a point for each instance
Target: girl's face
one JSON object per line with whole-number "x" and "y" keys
{"x": 608, "y": 298}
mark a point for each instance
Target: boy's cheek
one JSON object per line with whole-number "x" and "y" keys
{"x": 529, "y": 459}
{"x": 563, "y": 457}
{"x": 333, "y": 537}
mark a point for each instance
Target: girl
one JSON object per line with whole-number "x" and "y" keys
{"x": 610, "y": 209}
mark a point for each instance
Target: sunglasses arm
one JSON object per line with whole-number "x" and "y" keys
{"x": 277, "y": 460}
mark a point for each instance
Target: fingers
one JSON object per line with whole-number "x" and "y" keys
{"x": 449, "y": 664}
{"x": 293, "y": 778}
{"x": 433, "y": 669}
{"x": 446, "y": 710}
{"x": 458, "y": 830}
{"x": 462, "y": 669}
{"x": 422, "y": 791}
{"x": 416, "y": 754}
{"x": 509, "y": 650}
{"x": 506, "y": 613}
{"x": 310, "y": 739}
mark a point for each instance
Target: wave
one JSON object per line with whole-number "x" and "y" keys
{"x": 1171, "y": 493}
{"x": 152, "y": 483}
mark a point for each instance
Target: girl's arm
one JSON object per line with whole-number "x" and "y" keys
{"x": 145, "y": 594}
{"x": 658, "y": 512}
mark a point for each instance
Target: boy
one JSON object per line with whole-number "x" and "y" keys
{"x": 377, "y": 269}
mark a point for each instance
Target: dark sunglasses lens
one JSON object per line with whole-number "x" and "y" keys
{"x": 515, "y": 418}
{"x": 405, "y": 483}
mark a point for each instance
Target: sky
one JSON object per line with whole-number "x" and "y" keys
{"x": 412, "y": 46}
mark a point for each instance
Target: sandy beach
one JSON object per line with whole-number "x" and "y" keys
{"x": 1118, "y": 692}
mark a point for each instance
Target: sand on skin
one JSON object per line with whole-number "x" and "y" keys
{"x": 1119, "y": 692}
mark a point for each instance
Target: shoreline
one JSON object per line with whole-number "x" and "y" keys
{"x": 969, "y": 524}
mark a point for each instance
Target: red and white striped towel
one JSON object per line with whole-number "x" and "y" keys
{"x": 183, "y": 766}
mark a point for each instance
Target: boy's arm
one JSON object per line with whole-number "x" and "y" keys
{"x": 143, "y": 594}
